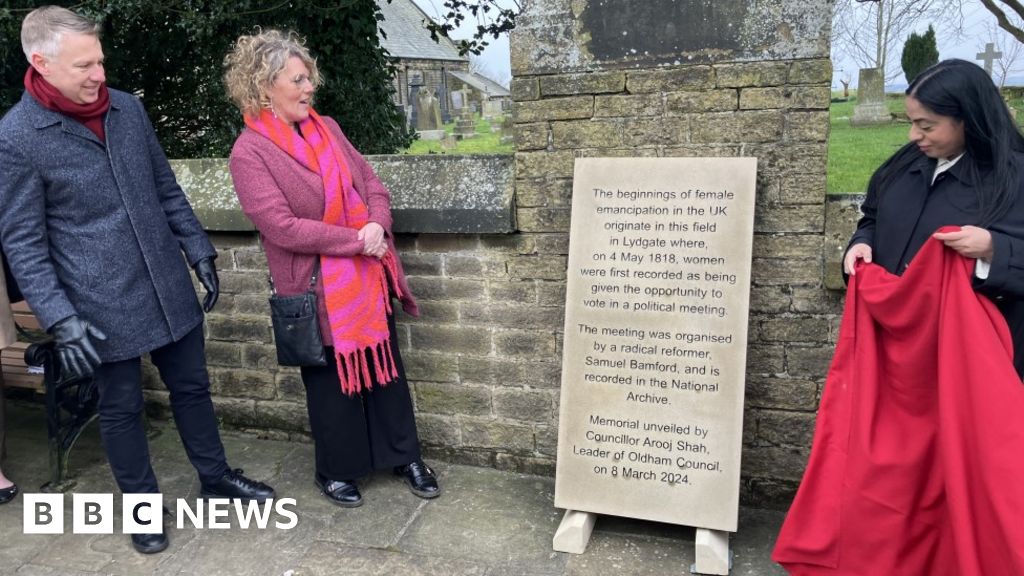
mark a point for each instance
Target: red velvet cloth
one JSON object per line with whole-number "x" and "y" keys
{"x": 917, "y": 466}
{"x": 90, "y": 115}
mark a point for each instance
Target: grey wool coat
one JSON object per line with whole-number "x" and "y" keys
{"x": 96, "y": 229}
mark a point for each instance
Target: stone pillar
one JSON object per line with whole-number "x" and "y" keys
{"x": 692, "y": 78}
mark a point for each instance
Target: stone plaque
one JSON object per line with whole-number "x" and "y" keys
{"x": 655, "y": 339}
{"x": 664, "y": 28}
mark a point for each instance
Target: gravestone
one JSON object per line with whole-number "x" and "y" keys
{"x": 458, "y": 100}
{"x": 428, "y": 116}
{"x": 446, "y": 112}
{"x": 449, "y": 142}
{"x": 507, "y": 133}
{"x": 465, "y": 126}
{"x": 870, "y": 108}
{"x": 492, "y": 109}
{"x": 653, "y": 365}
{"x": 415, "y": 85}
{"x": 989, "y": 56}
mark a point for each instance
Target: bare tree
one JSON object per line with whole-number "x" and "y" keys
{"x": 1011, "y": 22}
{"x": 1012, "y": 50}
{"x": 846, "y": 78}
{"x": 478, "y": 65}
{"x": 493, "y": 18}
{"x": 872, "y": 31}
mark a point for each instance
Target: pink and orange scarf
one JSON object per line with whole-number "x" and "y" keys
{"x": 355, "y": 287}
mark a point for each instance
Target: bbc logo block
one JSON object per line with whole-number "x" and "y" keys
{"x": 93, "y": 514}
{"x": 43, "y": 514}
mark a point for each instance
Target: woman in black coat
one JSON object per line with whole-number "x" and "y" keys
{"x": 962, "y": 167}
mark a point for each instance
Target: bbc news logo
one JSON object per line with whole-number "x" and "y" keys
{"x": 143, "y": 513}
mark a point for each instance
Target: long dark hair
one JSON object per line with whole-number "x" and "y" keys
{"x": 963, "y": 91}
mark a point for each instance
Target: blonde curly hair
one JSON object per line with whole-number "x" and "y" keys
{"x": 254, "y": 63}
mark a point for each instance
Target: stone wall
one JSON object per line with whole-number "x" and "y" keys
{"x": 484, "y": 358}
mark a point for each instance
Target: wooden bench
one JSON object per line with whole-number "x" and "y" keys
{"x": 70, "y": 406}
{"x": 15, "y": 370}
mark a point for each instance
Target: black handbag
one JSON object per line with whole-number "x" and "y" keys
{"x": 297, "y": 328}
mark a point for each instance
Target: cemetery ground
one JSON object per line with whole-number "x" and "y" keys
{"x": 854, "y": 153}
{"x": 486, "y": 523}
{"x": 486, "y": 141}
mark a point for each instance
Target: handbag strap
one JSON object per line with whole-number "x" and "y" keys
{"x": 270, "y": 279}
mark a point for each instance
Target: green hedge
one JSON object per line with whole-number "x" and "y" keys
{"x": 170, "y": 53}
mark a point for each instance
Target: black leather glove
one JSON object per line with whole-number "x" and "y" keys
{"x": 207, "y": 274}
{"x": 75, "y": 352}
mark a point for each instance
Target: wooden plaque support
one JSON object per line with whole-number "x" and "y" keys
{"x": 711, "y": 547}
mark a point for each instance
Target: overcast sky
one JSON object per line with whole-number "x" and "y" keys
{"x": 976, "y": 34}
{"x": 495, "y": 57}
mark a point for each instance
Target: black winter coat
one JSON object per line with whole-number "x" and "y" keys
{"x": 899, "y": 219}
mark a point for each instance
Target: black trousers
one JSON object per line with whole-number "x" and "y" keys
{"x": 182, "y": 367}
{"x": 355, "y": 435}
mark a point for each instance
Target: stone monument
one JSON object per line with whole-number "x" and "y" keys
{"x": 653, "y": 365}
{"x": 428, "y": 116}
{"x": 989, "y": 56}
{"x": 415, "y": 85}
{"x": 465, "y": 125}
{"x": 870, "y": 108}
{"x": 507, "y": 131}
{"x": 458, "y": 100}
{"x": 492, "y": 109}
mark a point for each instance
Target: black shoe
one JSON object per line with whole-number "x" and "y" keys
{"x": 344, "y": 493}
{"x": 233, "y": 485}
{"x": 149, "y": 543}
{"x": 8, "y": 494}
{"x": 420, "y": 479}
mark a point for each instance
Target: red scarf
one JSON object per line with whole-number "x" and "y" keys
{"x": 90, "y": 115}
{"x": 355, "y": 287}
{"x": 916, "y": 465}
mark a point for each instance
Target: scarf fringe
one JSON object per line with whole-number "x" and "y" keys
{"x": 354, "y": 367}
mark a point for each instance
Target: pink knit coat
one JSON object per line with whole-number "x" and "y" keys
{"x": 285, "y": 201}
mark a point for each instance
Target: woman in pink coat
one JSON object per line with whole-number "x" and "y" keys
{"x": 325, "y": 220}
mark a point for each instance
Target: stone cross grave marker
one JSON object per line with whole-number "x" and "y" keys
{"x": 989, "y": 56}
{"x": 465, "y": 125}
{"x": 654, "y": 361}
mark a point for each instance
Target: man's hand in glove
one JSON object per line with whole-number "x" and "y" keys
{"x": 75, "y": 352}
{"x": 207, "y": 274}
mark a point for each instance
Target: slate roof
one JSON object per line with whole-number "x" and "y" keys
{"x": 481, "y": 83}
{"x": 406, "y": 36}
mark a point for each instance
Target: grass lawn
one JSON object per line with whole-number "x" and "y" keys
{"x": 855, "y": 153}
{"x": 485, "y": 142}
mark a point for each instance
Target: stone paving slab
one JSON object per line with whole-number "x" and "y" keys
{"x": 487, "y": 522}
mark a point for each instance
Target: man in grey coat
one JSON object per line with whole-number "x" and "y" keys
{"x": 94, "y": 225}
